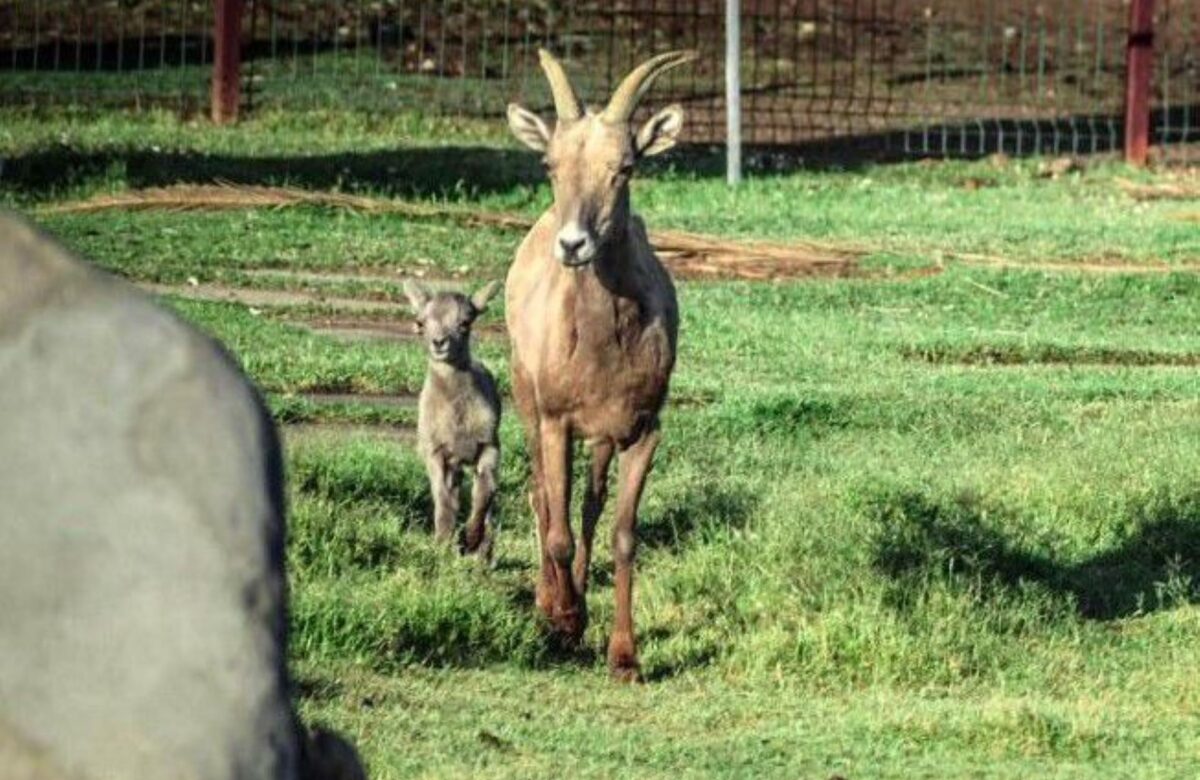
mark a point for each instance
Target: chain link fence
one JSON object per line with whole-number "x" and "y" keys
{"x": 892, "y": 77}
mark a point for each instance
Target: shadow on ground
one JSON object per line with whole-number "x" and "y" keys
{"x": 703, "y": 507}
{"x": 456, "y": 171}
{"x": 1155, "y": 566}
{"x": 440, "y": 172}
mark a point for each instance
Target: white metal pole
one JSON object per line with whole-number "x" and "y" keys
{"x": 733, "y": 92}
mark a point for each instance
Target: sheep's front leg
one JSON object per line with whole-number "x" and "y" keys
{"x": 558, "y": 543}
{"x": 443, "y": 483}
{"x": 481, "y": 528}
{"x": 634, "y": 467}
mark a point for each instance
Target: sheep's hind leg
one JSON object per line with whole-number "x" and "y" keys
{"x": 593, "y": 507}
{"x": 481, "y": 528}
{"x": 635, "y": 464}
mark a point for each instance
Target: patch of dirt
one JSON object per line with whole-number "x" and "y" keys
{"x": 308, "y": 431}
{"x": 356, "y": 275}
{"x": 391, "y": 400}
{"x": 696, "y": 266}
{"x": 274, "y": 298}
{"x": 1180, "y": 188}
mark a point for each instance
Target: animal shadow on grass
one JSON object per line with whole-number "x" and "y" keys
{"x": 443, "y": 172}
{"x": 703, "y": 507}
{"x": 704, "y": 512}
{"x": 449, "y": 171}
{"x": 1156, "y": 566}
{"x": 317, "y": 688}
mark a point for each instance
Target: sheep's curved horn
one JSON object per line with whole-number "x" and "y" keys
{"x": 638, "y": 82}
{"x": 566, "y": 103}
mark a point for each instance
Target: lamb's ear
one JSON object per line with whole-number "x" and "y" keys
{"x": 481, "y": 297}
{"x": 660, "y": 131}
{"x": 528, "y": 127}
{"x": 417, "y": 295}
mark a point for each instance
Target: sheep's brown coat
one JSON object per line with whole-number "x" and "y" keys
{"x": 593, "y": 320}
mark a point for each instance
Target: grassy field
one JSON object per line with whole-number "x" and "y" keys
{"x": 902, "y": 525}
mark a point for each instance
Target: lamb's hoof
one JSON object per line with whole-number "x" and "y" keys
{"x": 487, "y": 551}
{"x": 477, "y": 542}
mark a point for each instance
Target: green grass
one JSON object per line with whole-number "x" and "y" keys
{"x": 939, "y": 527}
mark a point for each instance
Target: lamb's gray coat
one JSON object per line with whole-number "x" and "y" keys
{"x": 459, "y": 413}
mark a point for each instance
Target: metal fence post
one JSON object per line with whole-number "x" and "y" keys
{"x": 733, "y": 93}
{"x": 1139, "y": 61}
{"x": 227, "y": 60}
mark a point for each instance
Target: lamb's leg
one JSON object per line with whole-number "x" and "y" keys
{"x": 556, "y": 453}
{"x": 443, "y": 483}
{"x": 480, "y": 528}
{"x": 635, "y": 465}
{"x": 593, "y": 507}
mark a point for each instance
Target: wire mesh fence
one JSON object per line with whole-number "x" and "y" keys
{"x": 900, "y": 77}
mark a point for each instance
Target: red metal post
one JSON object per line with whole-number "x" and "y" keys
{"x": 1139, "y": 64}
{"x": 227, "y": 60}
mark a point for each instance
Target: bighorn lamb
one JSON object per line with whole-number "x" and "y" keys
{"x": 593, "y": 321}
{"x": 459, "y": 413}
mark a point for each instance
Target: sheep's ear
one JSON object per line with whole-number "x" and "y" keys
{"x": 528, "y": 127}
{"x": 660, "y": 132}
{"x": 484, "y": 294}
{"x": 417, "y": 294}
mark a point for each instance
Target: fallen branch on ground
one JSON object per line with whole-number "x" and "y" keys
{"x": 694, "y": 254}
{"x": 1163, "y": 191}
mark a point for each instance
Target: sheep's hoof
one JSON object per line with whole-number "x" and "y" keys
{"x": 622, "y": 660}
{"x": 544, "y": 599}
{"x": 569, "y": 624}
{"x": 626, "y": 671}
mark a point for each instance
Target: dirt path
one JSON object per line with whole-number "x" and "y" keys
{"x": 248, "y": 296}
{"x": 390, "y": 400}
{"x": 353, "y": 275}
{"x": 347, "y": 328}
{"x": 294, "y": 433}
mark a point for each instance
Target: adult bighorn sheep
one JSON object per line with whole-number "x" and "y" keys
{"x": 593, "y": 321}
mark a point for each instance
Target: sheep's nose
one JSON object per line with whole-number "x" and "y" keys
{"x": 441, "y": 343}
{"x": 572, "y": 245}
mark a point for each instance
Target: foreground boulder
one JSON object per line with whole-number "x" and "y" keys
{"x": 142, "y": 593}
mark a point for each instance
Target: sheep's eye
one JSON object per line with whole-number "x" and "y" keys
{"x": 420, "y": 326}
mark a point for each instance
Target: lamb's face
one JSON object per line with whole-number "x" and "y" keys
{"x": 445, "y": 324}
{"x": 444, "y": 319}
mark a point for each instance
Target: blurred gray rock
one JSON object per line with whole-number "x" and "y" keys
{"x": 142, "y": 601}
